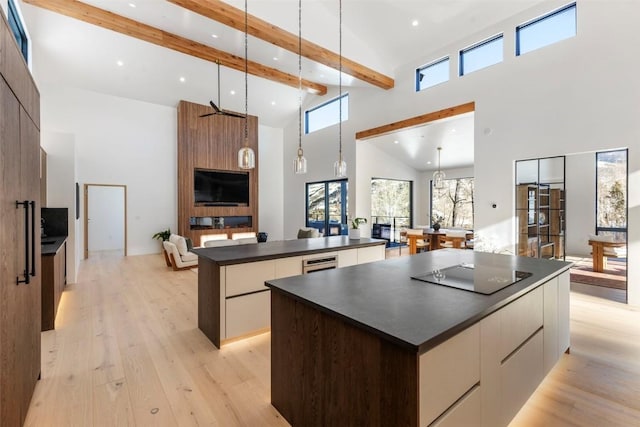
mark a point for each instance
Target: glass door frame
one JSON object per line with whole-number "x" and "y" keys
{"x": 327, "y": 226}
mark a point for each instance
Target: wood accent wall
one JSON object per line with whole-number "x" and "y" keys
{"x": 212, "y": 143}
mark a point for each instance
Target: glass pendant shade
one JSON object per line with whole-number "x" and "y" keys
{"x": 438, "y": 180}
{"x": 340, "y": 168}
{"x": 438, "y": 176}
{"x": 300, "y": 163}
{"x": 246, "y": 158}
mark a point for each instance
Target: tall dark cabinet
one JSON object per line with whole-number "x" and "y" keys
{"x": 20, "y": 268}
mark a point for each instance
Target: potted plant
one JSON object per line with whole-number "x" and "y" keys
{"x": 162, "y": 235}
{"x": 436, "y": 222}
{"x": 354, "y": 231}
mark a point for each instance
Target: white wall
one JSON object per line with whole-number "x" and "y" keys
{"x": 60, "y": 148}
{"x": 580, "y": 200}
{"x": 270, "y": 182}
{"x": 577, "y": 95}
{"x": 124, "y": 142}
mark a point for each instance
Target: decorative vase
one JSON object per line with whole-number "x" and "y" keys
{"x": 262, "y": 236}
{"x": 354, "y": 233}
{"x": 436, "y": 226}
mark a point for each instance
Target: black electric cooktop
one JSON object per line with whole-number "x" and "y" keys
{"x": 481, "y": 279}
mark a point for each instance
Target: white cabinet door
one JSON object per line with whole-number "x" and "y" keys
{"x": 520, "y": 375}
{"x": 370, "y": 254}
{"x": 520, "y": 320}
{"x": 248, "y": 313}
{"x": 466, "y": 412}
{"x": 250, "y": 277}
{"x": 563, "y": 313}
{"x": 347, "y": 258}
{"x": 550, "y": 324}
{"x": 447, "y": 372}
{"x": 287, "y": 267}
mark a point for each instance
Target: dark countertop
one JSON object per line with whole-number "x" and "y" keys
{"x": 381, "y": 297}
{"x": 51, "y": 245}
{"x": 241, "y": 254}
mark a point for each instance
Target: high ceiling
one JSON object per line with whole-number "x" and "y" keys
{"x": 376, "y": 33}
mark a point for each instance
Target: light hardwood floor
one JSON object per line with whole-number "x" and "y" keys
{"x": 127, "y": 351}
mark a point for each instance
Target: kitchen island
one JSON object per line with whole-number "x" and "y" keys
{"x": 233, "y": 301}
{"x": 369, "y": 345}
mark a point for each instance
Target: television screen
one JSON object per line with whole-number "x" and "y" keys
{"x": 217, "y": 188}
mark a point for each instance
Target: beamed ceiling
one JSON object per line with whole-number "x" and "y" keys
{"x": 157, "y": 42}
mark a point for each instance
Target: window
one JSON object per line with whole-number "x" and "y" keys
{"x": 611, "y": 194}
{"x": 327, "y": 207}
{"x": 453, "y": 205}
{"x": 549, "y": 29}
{"x": 326, "y": 114}
{"x": 432, "y": 74}
{"x": 391, "y": 205}
{"x": 481, "y": 55}
{"x": 17, "y": 28}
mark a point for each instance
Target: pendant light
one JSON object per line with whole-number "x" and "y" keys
{"x": 340, "y": 166}
{"x": 246, "y": 156}
{"x": 438, "y": 176}
{"x": 300, "y": 163}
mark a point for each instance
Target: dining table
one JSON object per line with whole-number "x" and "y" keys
{"x": 436, "y": 238}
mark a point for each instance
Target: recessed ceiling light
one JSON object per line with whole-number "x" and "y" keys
{"x": 182, "y": 79}
{"x": 132, "y": 5}
{"x": 396, "y": 141}
{"x": 215, "y": 36}
{"x": 415, "y": 23}
{"x": 275, "y": 58}
{"x": 120, "y": 63}
{"x": 273, "y": 102}
{"x": 453, "y": 130}
{"x": 233, "y": 92}
{"x": 429, "y": 163}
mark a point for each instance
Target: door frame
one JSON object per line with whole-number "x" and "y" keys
{"x": 86, "y": 215}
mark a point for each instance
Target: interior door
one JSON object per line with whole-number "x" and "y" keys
{"x": 106, "y": 207}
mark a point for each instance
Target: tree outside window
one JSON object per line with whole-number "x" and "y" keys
{"x": 454, "y": 203}
{"x": 611, "y": 191}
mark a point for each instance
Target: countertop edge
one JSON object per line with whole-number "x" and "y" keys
{"x": 52, "y": 248}
{"x": 440, "y": 338}
{"x": 253, "y": 258}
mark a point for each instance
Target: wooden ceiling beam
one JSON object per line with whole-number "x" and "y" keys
{"x": 129, "y": 27}
{"x": 416, "y": 121}
{"x": 234, "y": 18}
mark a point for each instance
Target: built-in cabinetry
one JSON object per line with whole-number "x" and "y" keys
{"x": 212, "y": 143}
{"x": 54, "y": 279}
{"x": 19, "y": 232}
{"x": 540, "y": 208}
{"x": 540, "y": 215}
{"x": 233, "y": 300}
{"x": 335, "y": 363}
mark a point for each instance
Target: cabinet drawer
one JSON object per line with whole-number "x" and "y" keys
{"x": 370, "y": 254}
{"x": 250, "y": 277}
{"x": 466, "y": 412}
{"x": 248, "y": 313}
{"x": 519, "y": 320}
{"x": 520, "y": 374}
{"x": 447, "y": 372}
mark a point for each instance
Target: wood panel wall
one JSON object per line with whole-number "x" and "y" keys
{"x": 212, "y": 143}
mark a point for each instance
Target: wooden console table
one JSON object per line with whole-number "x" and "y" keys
{"x": 599, "y": 257}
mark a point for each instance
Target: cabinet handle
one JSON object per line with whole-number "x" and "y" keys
{"x": 33, "y": 238}
{"x": 25, "y": 205}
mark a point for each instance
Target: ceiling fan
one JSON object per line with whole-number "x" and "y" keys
{"x": 219, "y": 111}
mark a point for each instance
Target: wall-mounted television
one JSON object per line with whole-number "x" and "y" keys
{"x": 220, "y": 188}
